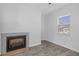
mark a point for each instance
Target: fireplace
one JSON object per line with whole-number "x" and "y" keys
{"x": 15, "y": 42}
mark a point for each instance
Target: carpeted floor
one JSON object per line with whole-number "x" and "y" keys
{"x": 49, "y": 49}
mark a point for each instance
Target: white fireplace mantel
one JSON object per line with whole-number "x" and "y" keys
{"x": 5, "y": 35}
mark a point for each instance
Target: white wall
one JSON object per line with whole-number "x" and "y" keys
{"x": 72, "y": 41}
{"x": 21, "y": 18}
{"x": 43, "y": 27}
{"x": 0, "y": 28}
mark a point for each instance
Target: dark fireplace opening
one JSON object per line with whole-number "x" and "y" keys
{"x": 15, "y": 42}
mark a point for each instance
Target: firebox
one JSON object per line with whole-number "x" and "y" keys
{"x": 15, "y": 42}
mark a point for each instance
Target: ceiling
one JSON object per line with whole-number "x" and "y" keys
{"x": 43, "y": 7}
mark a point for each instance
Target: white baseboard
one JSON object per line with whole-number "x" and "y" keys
{"x": 65, "y": 46}
{"x": 35, "y": 44}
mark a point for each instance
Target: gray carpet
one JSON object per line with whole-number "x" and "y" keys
{"x": 49, "y": 49}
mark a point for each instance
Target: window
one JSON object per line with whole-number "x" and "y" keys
{"x": 63, "y": 24}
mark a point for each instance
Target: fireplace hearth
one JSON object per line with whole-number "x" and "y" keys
{"x": 15, "y": 42}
